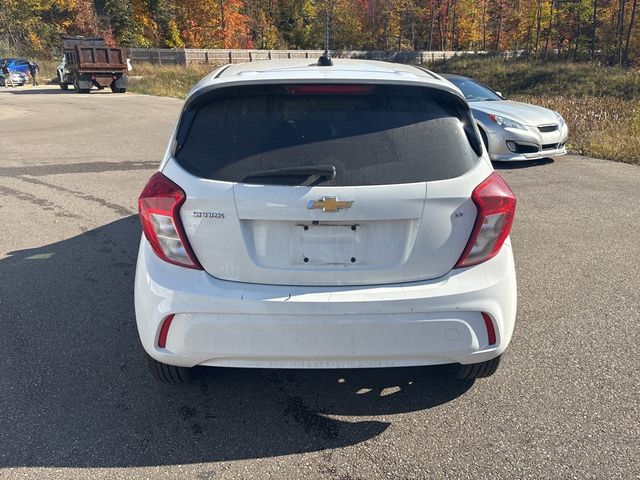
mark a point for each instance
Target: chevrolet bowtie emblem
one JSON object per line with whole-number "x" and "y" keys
{"x": 329, "y": 204}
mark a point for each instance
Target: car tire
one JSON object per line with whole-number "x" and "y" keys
{"x": 170, "y": 374}
{"x": 485, "y": 140}
{"x": 118, "y": 90}
{"x": 477, "y": 370}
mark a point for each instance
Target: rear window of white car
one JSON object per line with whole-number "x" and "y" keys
{"x": 371, "y": 134}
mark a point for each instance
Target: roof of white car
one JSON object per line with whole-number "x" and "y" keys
{"x": 307, "y": 65}
{"x": 307, "y": 70}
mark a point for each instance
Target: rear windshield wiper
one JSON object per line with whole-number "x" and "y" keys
{"x": 320, "y": 171}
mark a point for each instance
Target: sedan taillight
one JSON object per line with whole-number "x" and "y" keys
{"x": 159, "y": 208}
{"x": 496, "y": 206}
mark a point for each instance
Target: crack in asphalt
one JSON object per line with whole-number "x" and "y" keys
{"x": 40, "y": 202}
{"x": 84, "y": 167}
{"x": 119, "y": 209}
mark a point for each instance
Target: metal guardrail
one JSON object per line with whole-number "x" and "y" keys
{"x": 190, "y": 56}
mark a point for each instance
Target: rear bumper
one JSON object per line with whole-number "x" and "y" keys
{"x": 221, "y": 323}
{"x": 104, "y": 79}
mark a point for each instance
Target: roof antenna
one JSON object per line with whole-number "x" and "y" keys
{"x": 325, "y": 58}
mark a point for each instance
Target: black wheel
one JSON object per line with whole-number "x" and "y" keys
{"x": 485, "y": 140}
{"x": 118, "y": 90}
{"x": 477, "y": 370}
{"x": 80, "y": 90}
{"x": 63, "y": 85}
{"x": 170, "y": 374}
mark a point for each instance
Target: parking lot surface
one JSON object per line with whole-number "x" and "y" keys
{"x": 77, "y": 402}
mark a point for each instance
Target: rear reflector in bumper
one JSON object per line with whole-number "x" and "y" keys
{"x": 164, "y": 331}
{"x": 491, "y": 331}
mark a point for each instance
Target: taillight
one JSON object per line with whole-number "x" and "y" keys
{"x": 496, "y": 206}
{"x": 159, "y": 208}
{"x": 322, "y": 89}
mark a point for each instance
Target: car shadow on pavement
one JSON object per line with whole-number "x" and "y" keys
{"x": 29, "y": 90}
{"x": 42, "y": 90}
{"x": 516, "y": 165}
{"x": 76, "y": 393}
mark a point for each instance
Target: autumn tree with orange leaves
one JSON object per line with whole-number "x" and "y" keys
{"x": 605, "y": 30}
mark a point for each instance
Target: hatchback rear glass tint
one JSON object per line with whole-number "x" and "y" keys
{"x": 372, "y": 136}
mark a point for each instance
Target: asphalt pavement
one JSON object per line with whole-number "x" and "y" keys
{"x": 76, "y": 400}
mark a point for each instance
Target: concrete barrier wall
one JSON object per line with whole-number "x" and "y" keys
{"x": 221, "y": 56}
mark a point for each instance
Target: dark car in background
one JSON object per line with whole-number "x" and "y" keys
{"x": 17, "y": 65}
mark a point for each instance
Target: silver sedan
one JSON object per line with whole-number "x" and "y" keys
{"x": 18, "y": 78}
{"x": 513, "y": 130}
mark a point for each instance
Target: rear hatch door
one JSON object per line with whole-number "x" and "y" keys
{"x": 305, "y": 186}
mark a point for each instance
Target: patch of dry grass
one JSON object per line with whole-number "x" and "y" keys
{"x": 528, "y": 77}
{"x": 48, "y": 70}
{"x": 166, "y": 80}
{"x": 601, "y": 127}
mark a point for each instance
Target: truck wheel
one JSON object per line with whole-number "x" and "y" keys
{"x": 477, "y": 370}
{"x": 170, "y": 374}
{"x": 80, "y": 90}
{"x": 63, "y": 85}
{"x": 115, "y": 89}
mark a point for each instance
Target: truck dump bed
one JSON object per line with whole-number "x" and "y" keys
{"x": 100, "y": 59}
{"x": 89, "y": 62}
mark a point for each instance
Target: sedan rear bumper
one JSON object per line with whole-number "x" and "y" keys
{"x": 222, "y": 323}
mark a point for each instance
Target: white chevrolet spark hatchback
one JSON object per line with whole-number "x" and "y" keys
{"x": 337, "y": 216}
